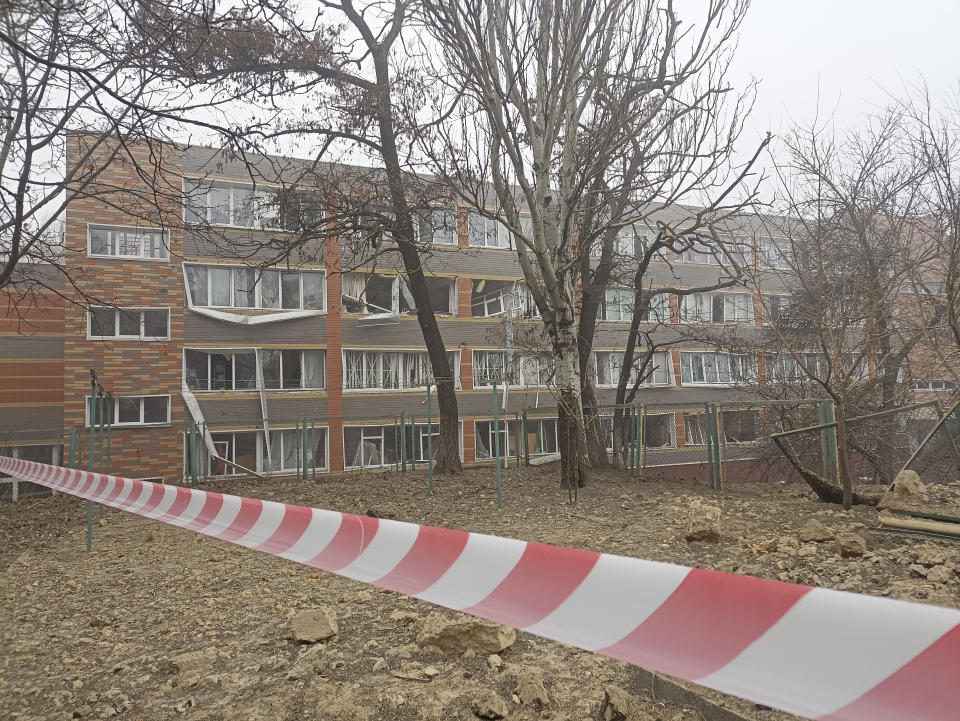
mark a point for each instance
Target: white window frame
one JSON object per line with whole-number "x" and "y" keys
{"x": 258, "y": 281}
{"x": 476, "y": 366}
{"x": 702, "y": 312}
{"x": 768, "y": 247}
{"x": 301, "y": 351}
{"x": 779, "y": 363}
{"x": 491, "y": 227}
{"x": 930, "y": 385}
{"x": 233, "y": 352}
{"x": 165, "y": 242}
{"x": 404, "y": 356}
{"x": 454, "y": 235}
{"x": 258, "y": 222}
{"x": 742, "y": 358}
{"x": 116, "y": 324}
{"x": 116, "y": 411}
{"x": 612, "y": 367}
{"x": 701, "y": 254}
{"x": 284, "y": 434}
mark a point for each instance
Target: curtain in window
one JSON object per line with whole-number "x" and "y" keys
{"x": 371, "y": 370}
{"x": 314, "y": 362}
{"x": 313, "y": 291}
{"x": 354, "y": 285}
{"x": 483, "y": 440}
{"x": 270, "y": 363}
{"x": 390, "y": 370}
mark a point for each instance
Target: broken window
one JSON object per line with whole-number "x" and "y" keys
{"x": 742, "y": 426}
{"x": 369, "y": 446}
{"x": 489, "y": 366}
{"x": 293, "y": 369}
{"x": 129, "y": 323}
{"x": 220, "y": 370}
{"x": 659, "y": 430}
{"x": 377, "y": 294}
{"x": 656, "y": 373}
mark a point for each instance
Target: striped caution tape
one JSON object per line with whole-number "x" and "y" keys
{"x": 810, "y": 651}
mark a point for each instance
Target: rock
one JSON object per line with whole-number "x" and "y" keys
{"x": 310, "y": 662}
{"x": 489, "y": 705}
{"x": 768, "y": 546}
{"x": 703, "y": 522}
{"x": 465, "y": 634}
{"x": 908, "y": 483}
{"x": 616, "y": 704}
{"x": 940, "y": 574}
{"x": 813, "y": 530}
{"x": 851, "y": 545}
{"x": 315, "y": 624}
{"x": 363, "y": 597}
{"x": 530, "y": 688}
{"x": 788, "y": 545}
{"x": 431, "y": 672}
{"x": 494, "y": 662}
{"x": 917, "y": 570}
{"x": 379, "y": 665}
{"x": 193, "y": 661}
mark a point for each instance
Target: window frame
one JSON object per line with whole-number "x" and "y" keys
{"x": 165, "y": 242}
{"x": 116, "y": 411}
{"x": 116, "y": 324}
{"x": 613, "y": 369}
{"x": 499, "y": 231}
{"x": 751, "y": 368}
{"x": 400, "y": 371}
{"x": 476, "y": 366}
{"x": 258, "y": 288}
{"x": 257, "y": 224}
{"x": 712, "y": 297}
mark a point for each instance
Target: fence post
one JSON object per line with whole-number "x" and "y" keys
{"x": 643, "y": 445}
{"x": 103, "y": 413}
{"x": 709, "y": 441}
{"x": 413, "y": 443}
{"x": 429, "y": 440}
{"x": 526, "y": 446}
{"x": 828, "y": 441}
{"x": 396, "y": 444}
{"x": 721, "y": 445}
{"x": 403, "y": 441}
{"x": 313, "y": 454}
{"x": 193, "y": 453}
{"x": 93, "y": 425}
{"x": 496, "y": 445}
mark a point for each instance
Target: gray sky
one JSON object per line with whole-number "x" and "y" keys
{"x": 843, "y": 56}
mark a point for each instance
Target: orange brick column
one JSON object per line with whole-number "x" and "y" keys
{"x": 334, "y": 355}
{"x": 464, "y": 295}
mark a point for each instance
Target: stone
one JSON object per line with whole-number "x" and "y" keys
{"x": 788, "y": 545}
{"x": 379, "y": 665}
{"x": 616, "y": 704}
{"x": 940, "y": 574}
{"x": 851, "y": 545}
{"x": 465, "y": 634}
{"x": 908, "y": 483}
{"x": 768, "y": 546}
{"x": 703, "y": 522}
{"x": 494, "y": 662}
{"x": 315, "y": 624}
{"x": 813, "y": 530}
{"x": 431, "y": 672}
{"x": 529, "y": 687}
{"x": 193, "y": 661}
{"x": 489, "y": 705}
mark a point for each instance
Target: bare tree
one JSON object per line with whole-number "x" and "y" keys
{"x": 847, "y": 245}
{"x": 933, "y": 138}
{"x": 332, "y": 75}
{"x": 573, "y": 116}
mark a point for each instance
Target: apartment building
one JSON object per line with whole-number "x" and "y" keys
{"x": 185, "y": 330}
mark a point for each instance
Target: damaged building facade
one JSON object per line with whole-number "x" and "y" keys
{"x": 188, "y": 328}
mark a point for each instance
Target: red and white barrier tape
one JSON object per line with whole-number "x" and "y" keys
{"x": 811, "y": 651}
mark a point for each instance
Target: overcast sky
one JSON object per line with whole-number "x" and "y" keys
{"x": 844, "y": 56}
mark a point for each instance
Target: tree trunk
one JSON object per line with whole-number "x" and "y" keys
{"x": 448, "y": 454}
{"x": 574, "y": 459}
{"x": 596, "y": 443}
{"x": 843, "y": 462}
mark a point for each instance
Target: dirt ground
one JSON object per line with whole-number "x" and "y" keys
{"x": 102, "y": 635}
